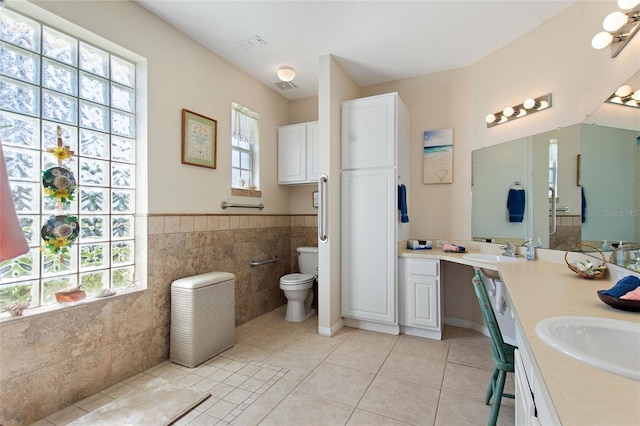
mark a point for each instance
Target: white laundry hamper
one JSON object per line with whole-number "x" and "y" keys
{"x": 202, "y": 317}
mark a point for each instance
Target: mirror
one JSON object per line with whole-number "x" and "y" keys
{"x": 587, "y": 174}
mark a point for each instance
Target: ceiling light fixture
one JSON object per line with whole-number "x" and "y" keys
{"x": 619, "y": 27}
{"x": 529, "y": 106}
{"x": 286, "y": 74}
{"x": 626, "y": 96}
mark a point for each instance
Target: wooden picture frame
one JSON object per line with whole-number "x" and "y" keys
{"x": 199, "y": 139}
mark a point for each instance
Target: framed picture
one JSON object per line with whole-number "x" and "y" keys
{"x": 316, "y": 199}
{"x": 199, "y": 138}
{"x": 438, "y": 156}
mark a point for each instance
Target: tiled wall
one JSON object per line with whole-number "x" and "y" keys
{"x": 51, "y": 360}
{"x": 568, "y": 232}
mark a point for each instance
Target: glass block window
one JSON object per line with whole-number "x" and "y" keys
{"x": 55, "y": 87}
{"x": 244, "y": 147}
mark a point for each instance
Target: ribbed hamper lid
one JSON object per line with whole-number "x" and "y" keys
{"x": 202, "y": 280}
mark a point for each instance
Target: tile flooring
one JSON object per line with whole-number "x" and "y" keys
{"x": 281, "y": 373}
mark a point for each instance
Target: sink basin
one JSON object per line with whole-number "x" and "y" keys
{"x": 608, "y": 344}
{"x": 491, "y": 258}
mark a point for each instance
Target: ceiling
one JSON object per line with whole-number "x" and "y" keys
{"x": 373, "y": 41}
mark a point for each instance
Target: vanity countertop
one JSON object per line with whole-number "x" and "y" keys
{"x": 581, "y": 394}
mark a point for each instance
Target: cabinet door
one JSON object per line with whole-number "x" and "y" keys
{"x": 420, "y": 293}
{"x": 313, "y": 171}
{"x": 525, "y": 405}
{"x": 369, "y": 245}
{"x": 369, "y": 132}
{"x": 292, "y": 153}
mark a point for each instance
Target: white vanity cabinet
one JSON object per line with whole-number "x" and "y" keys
{"x": 533, "y": 402}
{"x": 298, "y": 153}
{"x": 374, "y": 157}
{"x": 420, "y": 310}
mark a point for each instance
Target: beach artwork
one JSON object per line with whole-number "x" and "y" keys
{"x": 438, "y": 156}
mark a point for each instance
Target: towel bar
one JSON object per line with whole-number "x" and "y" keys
{"x": 263, "y": 262}
{"x": 224, "y": 205}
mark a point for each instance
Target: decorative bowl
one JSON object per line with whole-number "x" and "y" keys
{"x": 622, "y": 304}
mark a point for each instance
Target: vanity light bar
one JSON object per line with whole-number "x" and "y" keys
{"x": 625, "y": 96}
{"x": 528, "y": 107}
{"x": 619, "y": 28}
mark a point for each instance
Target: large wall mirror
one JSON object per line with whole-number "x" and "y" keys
{"x": 581, "y": 186}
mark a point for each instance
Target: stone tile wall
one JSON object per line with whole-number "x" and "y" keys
{"x": 51, "y": 360}
{"x": 568, "y": 232}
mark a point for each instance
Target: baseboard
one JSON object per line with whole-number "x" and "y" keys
{"x": 480, "y": 328}
{"x": 372, "y": 326}
{"x": 331, "y": 331}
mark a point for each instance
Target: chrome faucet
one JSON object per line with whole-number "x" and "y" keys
{"x": 509, "y": 250}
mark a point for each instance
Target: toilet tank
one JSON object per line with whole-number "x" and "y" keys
{"x": 308, "y": 260}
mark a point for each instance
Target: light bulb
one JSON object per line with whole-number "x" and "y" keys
{"x": 632, "y": 102}
{"x": 529, "y": 103}
{"x": 543, "y": 105}
{"x": 286, "y": 74}
{"x": 508, "y": 112}
{"x": 614, "y": 21}
{"x": 601, "y": 40}
{"x": 491, "y": 118}
{"x": 623, "y": 91}
{"x": 503, "y": 119}
{"x": 522, "y": 113}
{"x": 616, "y": 100}
{"x": 628, "y": 4}
{"x": 636, "y": 95}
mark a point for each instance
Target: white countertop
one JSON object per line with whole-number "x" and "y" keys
{"x": 581, "y": 394}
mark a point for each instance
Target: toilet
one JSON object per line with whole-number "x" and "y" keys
{"x": 298, "y": 288}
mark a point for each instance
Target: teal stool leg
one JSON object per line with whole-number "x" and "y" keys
{"x": 497, "y": 398}
{"x": 492, "y": 385}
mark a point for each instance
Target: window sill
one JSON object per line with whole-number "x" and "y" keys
{"x": 6, "y": 318}
{"x": 246, "y": 192}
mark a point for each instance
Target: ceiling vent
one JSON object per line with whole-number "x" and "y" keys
{"x": 285, "y": 85}
{"x": 253, "y": 42}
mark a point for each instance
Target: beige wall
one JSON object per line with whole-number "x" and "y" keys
{"x": 183, "y": 74}
{"x": 555, "y": 57}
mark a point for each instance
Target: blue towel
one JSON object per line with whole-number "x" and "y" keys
{"x": 402, "y": 203}
{"x": 515, "y": 204}
{"x": 584, "y": 205}
{"x": 624, "y": 286}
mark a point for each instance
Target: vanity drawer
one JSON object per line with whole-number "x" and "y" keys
{"x": 424, "y": 267}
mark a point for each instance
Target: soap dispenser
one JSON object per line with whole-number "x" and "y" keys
{"x": 606, "y": 246}
{"x": 621, "y": 255}
{"x": 531, "y": 251}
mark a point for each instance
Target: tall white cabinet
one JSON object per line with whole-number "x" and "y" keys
{"x": 374, "y": 161}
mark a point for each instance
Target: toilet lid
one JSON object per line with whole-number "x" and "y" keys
{"x": 296, "y": 279}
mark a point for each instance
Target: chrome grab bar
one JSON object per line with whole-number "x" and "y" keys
{"x": 563, "y": 209}
{"x": 224, "y": 205}
{"x": 322, "y": 211}
{"x": 553, "y": 211}
{"x": 263, "y": 262}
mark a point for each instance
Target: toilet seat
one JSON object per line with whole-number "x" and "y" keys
{"x": 296, "y": 279}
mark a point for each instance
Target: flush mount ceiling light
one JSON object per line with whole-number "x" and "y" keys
{"x": 626, "y": 96}
{"x": 286, "y": 74}
{"x": 619, "y": 27}
{"x": 529, "y": 106}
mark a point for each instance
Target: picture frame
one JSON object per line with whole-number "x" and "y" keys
{"x": 316, "y": 199}
{"x": 199, "y": 139}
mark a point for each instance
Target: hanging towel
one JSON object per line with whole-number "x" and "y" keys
{"x": 12, "y": 240}
{"x": 584, "y": 205}
{"x": 515, "y": 204}
{"x": 402, "y": 203}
